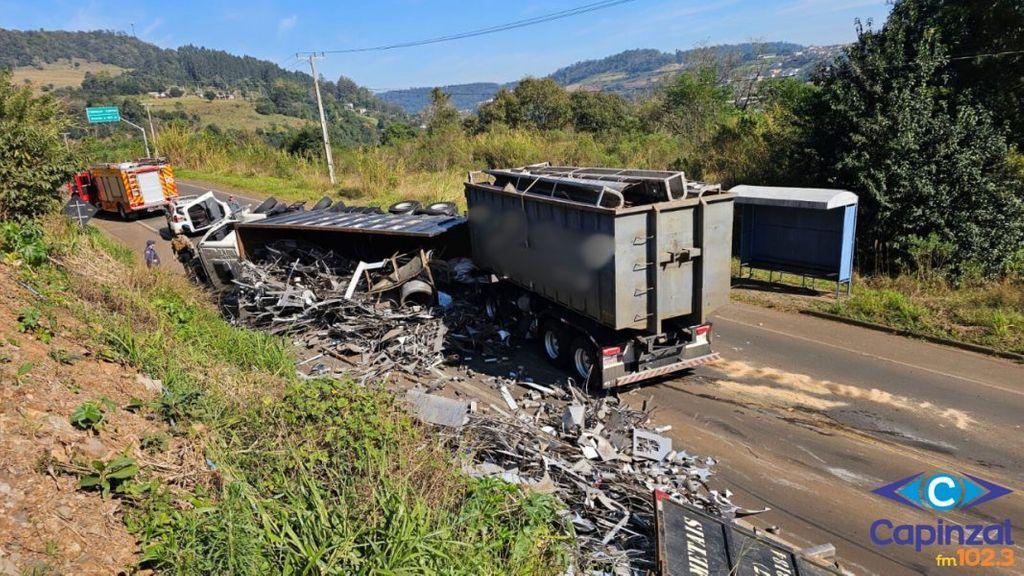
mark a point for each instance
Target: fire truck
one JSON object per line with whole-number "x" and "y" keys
{"x": 128, "y": 188}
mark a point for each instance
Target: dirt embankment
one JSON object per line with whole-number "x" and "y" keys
{"x": 47, "y": 524}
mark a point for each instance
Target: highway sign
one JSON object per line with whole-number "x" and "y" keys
{"x": 79, "y": 211}
{"x": 103, "y": 114}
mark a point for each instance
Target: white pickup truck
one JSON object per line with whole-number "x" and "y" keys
{"x": 193, "y": 214}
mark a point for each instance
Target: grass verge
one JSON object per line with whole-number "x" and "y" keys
{"x": 319, "y": 476}
{"x": 987, "y": 313}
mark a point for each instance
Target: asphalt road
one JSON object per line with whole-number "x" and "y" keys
{"x": 807, "y": 416}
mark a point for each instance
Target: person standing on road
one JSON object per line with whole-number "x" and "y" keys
{"x": 234, "y": 205}
{"x": 152, "y": 258}
{"x": 185, "y": 251}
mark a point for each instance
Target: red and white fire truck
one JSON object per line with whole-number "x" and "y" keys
{"x": 128, "y": 188}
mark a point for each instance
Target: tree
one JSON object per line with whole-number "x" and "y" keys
{"x": 985, "y": 40}
{"x": 694, "y": 105}
{"x": 925, "y": 161}
{"x": 209, "y": 95}
{"x": 542, "y": 104}
{"x": 441, "y": 115}
{"x": 539, "y": 104}
{"x": 598, "y": 111}
{"x": 175, "y": 92}
{"x": 306, "y": 141}
{"x": 398, "y": 132}
{"x": 34, "y": 164}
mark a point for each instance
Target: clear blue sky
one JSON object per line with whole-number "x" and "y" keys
{"x": 276, "y": 30}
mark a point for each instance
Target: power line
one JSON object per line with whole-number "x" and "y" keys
{"x": 988, "y": 55}
{"x": 584, "y": 9}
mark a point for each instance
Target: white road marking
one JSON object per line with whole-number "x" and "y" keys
{"x": 877, "y": 357}
{"x": 147, "y": 226}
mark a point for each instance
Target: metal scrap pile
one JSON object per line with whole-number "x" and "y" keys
{"x": 597, "y": 455}
{"x": 599, "y": 458}
{"x": 301, "y": 291}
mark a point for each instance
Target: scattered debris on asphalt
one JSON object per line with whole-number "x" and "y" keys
{"x": 603, "y": 461}
{"x": 601, "y": 457}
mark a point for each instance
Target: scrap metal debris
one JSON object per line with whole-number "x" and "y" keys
{"x": 301, "y": 291}
{"x": 599, "y": 458}
{"x": 602, "y": 458}
{"x": 377, "y": 316}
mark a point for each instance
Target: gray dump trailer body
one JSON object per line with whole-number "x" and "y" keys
{"x": 640, "y": 251}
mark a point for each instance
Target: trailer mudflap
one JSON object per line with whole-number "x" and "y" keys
{"x": 662, "y": 370}
{"x": 690, "y": 542}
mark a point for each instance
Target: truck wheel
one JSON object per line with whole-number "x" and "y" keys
{"x": 405, "y": 207}
{"x": 582, "y": 356}
{"x": 121, "y": 213}
{"x": 441, "y": 209}
{"x": 554, "y": 342}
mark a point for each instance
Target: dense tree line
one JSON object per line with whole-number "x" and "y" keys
{"x": 648, "y": 60}
{"x": 153, "y": 69}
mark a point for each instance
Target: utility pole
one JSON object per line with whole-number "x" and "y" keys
{"x": 319, "y": 104}
{"x": 133, "y": 30}
{"x": 152, "y": 132}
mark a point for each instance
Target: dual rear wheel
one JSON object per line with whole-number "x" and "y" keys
{"x": 565, "y": 347}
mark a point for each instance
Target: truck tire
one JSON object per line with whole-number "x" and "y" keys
{"x": 265, "y": 206}
{"x": 405, "y": 207}
{"x": 582, "y": 355}
{"x": 441, "y": 209}
{"x": 554, "y": 342}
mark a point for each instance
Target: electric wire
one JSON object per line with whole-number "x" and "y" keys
{"x": 584, "y": 9}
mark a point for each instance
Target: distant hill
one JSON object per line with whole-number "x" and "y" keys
{"x": 464, "y": 96}
{"x": 634, "y": 71}
{"x": 148, "y": 68}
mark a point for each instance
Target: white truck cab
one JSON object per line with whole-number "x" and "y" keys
{"x": 193, "y": 214}
{"x": 218, "y": 250}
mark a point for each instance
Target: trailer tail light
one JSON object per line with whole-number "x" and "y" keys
{"x": 611, "y": 356}
{"x": 701, "y": 334}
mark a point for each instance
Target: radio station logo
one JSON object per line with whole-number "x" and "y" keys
{"x": 943, "y": 491}
{"x": 977, "y": 545}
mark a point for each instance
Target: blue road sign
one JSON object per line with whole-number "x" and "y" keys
{"x": 103, "y": 114}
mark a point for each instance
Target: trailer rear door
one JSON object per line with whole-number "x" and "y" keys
{"x": 149, "y": 185}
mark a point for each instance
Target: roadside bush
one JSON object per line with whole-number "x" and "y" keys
{"x": 33, "y": 162}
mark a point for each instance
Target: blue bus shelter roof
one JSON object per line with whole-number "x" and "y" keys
{"x": 811, "y": 198}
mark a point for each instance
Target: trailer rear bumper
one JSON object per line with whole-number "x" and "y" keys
{"x": 661, "y": 370}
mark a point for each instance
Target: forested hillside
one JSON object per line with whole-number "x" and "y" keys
{"x": 149, "y": 68}
{"x": 465, "y": 97}
{"x": 632, "y": 72}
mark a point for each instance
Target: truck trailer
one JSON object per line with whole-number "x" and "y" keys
{"x": 615, "y": 271}
{"x": 619, "y": 269}
{"x": 127, "y": 188}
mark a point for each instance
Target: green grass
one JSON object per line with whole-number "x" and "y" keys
{"x": 310, "y": 477}
{"x": 237, "y": 114}
{"x": 989, "y": 313}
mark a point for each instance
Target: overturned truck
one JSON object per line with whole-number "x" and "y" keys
{"x": 620, "y": 268}
{"x": 615, "y": 271}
